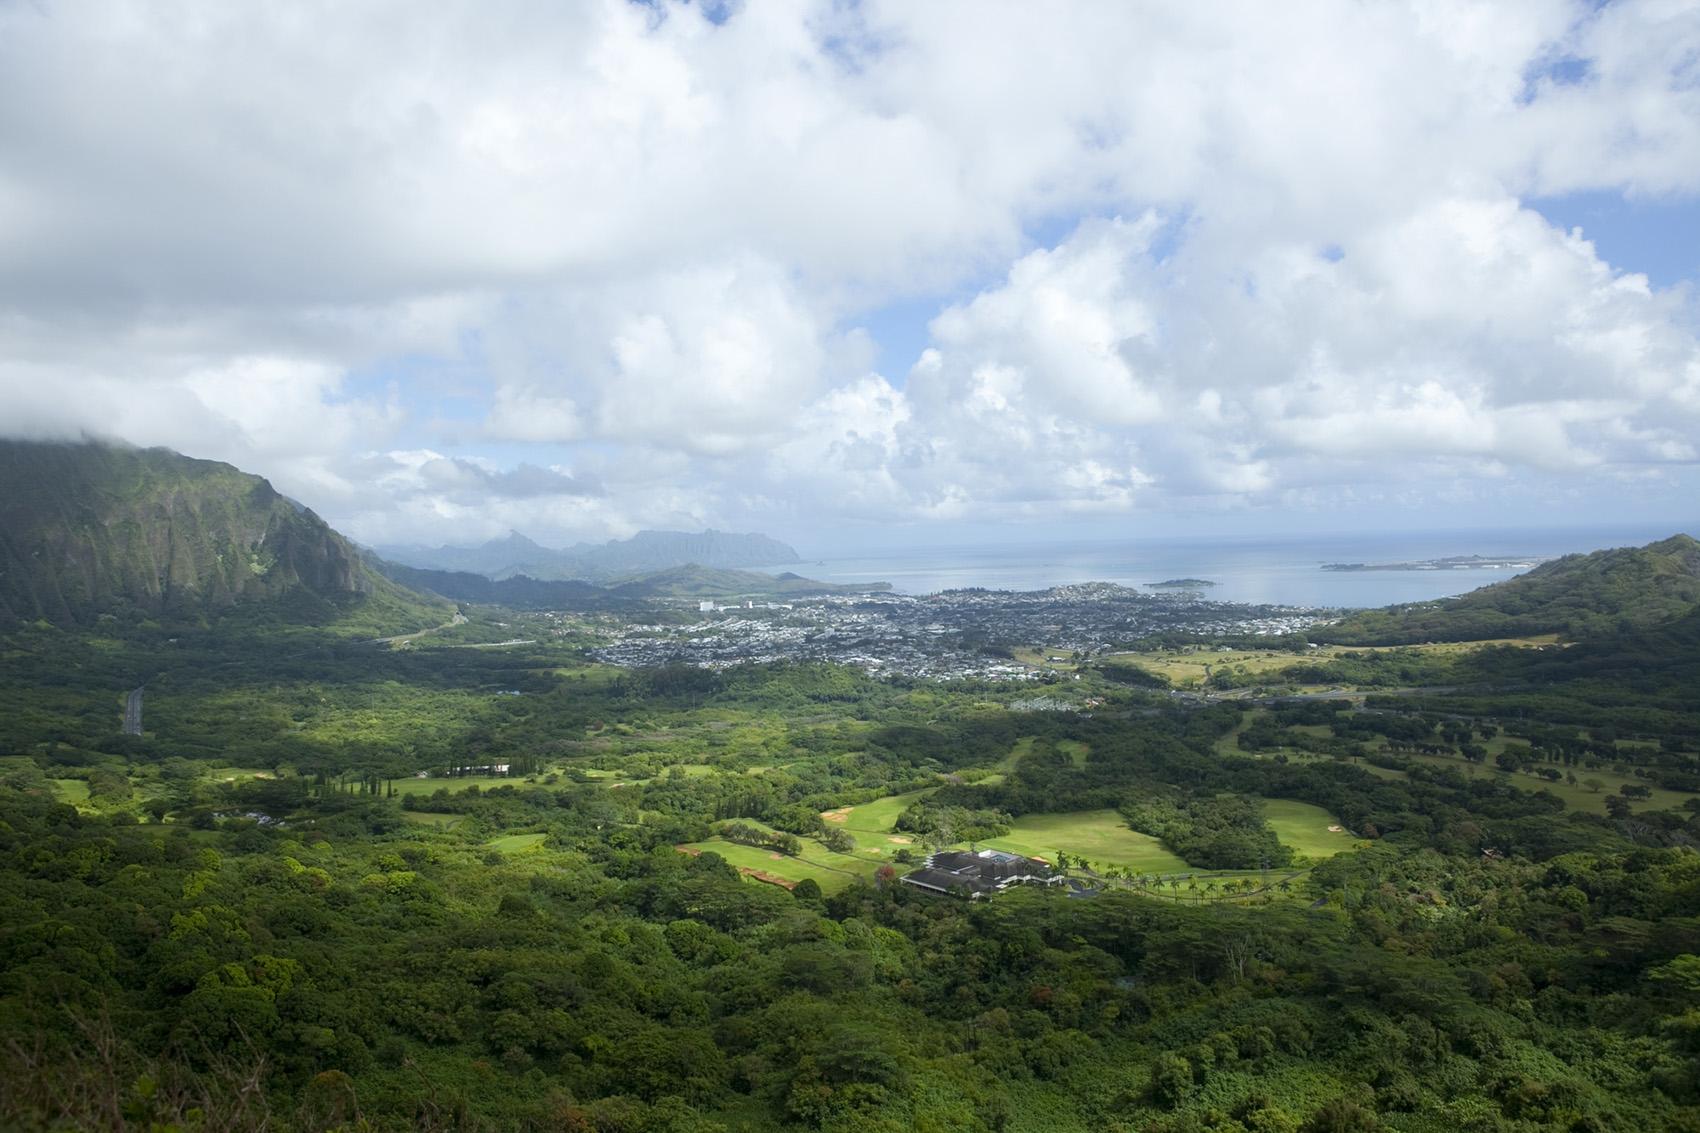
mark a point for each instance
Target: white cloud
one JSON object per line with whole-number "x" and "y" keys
{"x": 622, "y": 240}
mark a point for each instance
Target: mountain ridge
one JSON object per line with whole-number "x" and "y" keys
{"x": 1575, "y": 596}
{"x": 691, "y": 580}
{"x": 644, "y": 552}
{"x": 89, "y": 528}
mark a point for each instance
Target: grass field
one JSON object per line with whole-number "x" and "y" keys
{"x": 1305, "y": 828}
{"x": 454, "y": 786}
{"x": 876, "y": 818}
{"x": 231, "y": 774}
{"x": 1576, "y": 796}
{"x": 1098, "y": 835}
{"x": 516, "y": 843}
{"x": 1183, "y": 668}
{"x": 426, "y": 818}
{"x": 1039, "y": 657}
{"x": 830, "y": 871}
{"x": 1075, "y": 750}
{"x": 71, "y": 791}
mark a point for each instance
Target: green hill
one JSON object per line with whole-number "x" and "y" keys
{"x": 88, "y": 529}
{"x": 521, "y": 592}
{"x": 693, "y": 581}
{"x": 1576, "y": 596}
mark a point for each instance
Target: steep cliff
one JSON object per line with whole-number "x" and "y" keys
{"x": 92, "y": 528}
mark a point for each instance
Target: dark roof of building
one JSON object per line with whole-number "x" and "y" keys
{"x": 984, "y": 871}
{"x": 946, "y": 880}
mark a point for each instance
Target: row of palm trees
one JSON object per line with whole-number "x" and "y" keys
{"x": 1198, "y": 888}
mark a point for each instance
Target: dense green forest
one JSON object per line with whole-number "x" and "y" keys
{"x": 254, "y": 913}
{"x": 1575, "y": 596}
{"x": 467, "y": 879}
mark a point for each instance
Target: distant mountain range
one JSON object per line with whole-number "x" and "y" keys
{"x": 690, "y": 581}
{"x": 88, "y": 529}
{"x": 1577, "y": 596}
{"x": 643, "y": 553}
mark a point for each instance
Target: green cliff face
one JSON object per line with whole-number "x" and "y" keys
{"x": 90, "y": 528}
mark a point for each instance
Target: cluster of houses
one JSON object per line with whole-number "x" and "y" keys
{"x": 941, "y": 636}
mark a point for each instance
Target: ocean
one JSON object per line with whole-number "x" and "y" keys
{"x": 1258, "y": 569}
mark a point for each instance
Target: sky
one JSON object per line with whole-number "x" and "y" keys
{"x": 861, "y": 274}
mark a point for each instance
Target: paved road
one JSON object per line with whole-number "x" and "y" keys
{"x": 133, "y": 713}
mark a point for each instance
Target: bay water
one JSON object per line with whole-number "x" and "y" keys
{"x": 1279, "y": 570}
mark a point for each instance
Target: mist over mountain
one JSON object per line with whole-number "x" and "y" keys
{"x": 645, "y": 552}
{"x": 91, "y": 528}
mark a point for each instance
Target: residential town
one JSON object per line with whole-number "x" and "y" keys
{"x": 953, "y": 634}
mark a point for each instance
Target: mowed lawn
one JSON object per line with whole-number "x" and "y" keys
{"x": 1305, "y": 828}
{"x": 1100, "y": 836}
{"x": 455, "y": 785}
{"x": 516, "y": 843}
{"x": 71, "y": 791}
{"x": 877, "y": 817}
{"x": 1075, "y": 750}
{"x": 830, "y": 871}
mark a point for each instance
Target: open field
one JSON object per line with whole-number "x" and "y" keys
{"x": 1305, "y": 828}
{"x": 1188, "y": 667}
{"x": 453, "y": 786}
{"x": 1040, "y": 657}
{"x": 71, "y": 791}
{"x": 516, "y": 843}
{"x": 1101, "y": 836}
{"x": 231, "y": 774}
{"x": 1577, "y": 795}
{"x": 1183, "y": 668}
{"x": 831, "y": 872}
{"x": 426, "y": 818}
{"x": 1075, "y": 750}
{"x": 875, "y": 818}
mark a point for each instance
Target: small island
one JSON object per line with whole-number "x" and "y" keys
{"x": 1450, "y": 562}
{"x": 1181, "y": 584}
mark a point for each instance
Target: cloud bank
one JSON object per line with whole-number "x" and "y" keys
{"x": 582, "y": 269}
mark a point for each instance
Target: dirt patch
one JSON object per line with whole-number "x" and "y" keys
{"x": 691, "y": 850}
{"x": 900, "y": 839}
{"x": 842, "y": 814}
{"x": 770, "y": 878}
{"x": 1336, "y": 829}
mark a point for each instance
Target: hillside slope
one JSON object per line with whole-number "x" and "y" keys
{"x": 696, "y": 581}
{"x": 1576, "y": 596}
{"x": 88, "y": 528}
{"x": 519, "y": 592}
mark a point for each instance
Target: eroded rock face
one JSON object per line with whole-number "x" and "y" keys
{"x": 85, "y": 528}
